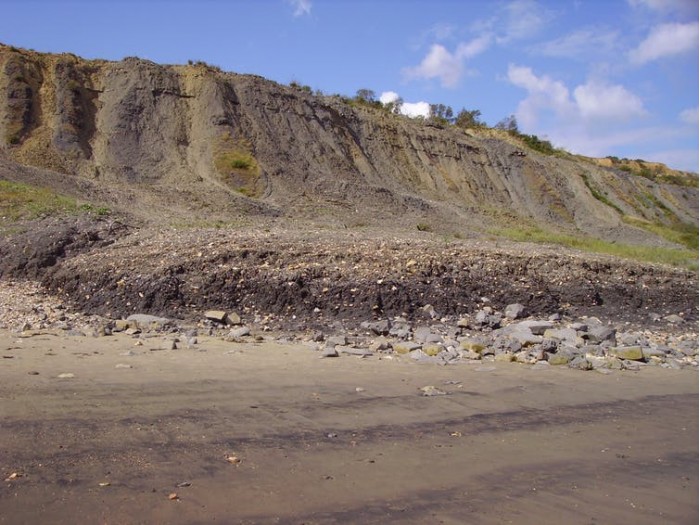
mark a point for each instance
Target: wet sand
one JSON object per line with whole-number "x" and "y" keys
{"x": 342, "y": 440}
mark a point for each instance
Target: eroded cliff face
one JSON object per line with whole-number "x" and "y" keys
{"x": 191, "y": 141}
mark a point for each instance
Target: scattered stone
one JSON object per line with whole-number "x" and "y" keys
{"x": 515, "y": 311}
{"x": 232, "y": 318}
{"x": 148, "y": 322}
{"x": 601, "y": 333}
{"x": 329, "y": 351}
{"x": 66, "y": 375}
{"x": 239, "y": 332}
{"x": 430, "y": 391}
{"x": 559, "y": 359}
{"x": 405, "y": 347}
{"x": 349, "y": 350}
{"x": 535, "y": 327}
{"x": 218, "y": 316}
{"x": 674, "y": 319}
{"x": 630, "y": 353}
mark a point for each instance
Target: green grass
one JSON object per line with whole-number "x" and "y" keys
{"x": 676, "y": 257}
{"x": 599, "y": 196}
{"x": 680, "y": 233}
{"x": 22, "y": 201}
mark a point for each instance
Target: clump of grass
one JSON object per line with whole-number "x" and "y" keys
{"x": 599, "y": 196}
{"x": 234, "y": 161}
{"x": 680, "y": 233}
{"x": 676, "y": 257}
{"x": 22, "y": 201}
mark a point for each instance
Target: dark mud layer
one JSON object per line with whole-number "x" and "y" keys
{"x": 319, "y": 277}
{"x": 310, "y": 278}
{"x": 38, "y": 246}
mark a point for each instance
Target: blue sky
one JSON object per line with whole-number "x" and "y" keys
{"x": 597, "y": 77}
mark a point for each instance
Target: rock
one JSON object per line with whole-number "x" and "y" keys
{"x": 429, "y": 311}
{"x": 600, "y": 333}
{"x": 562, "y": 334}
{"x": 432, "y": 350}
{"x": 65, "y": 375}
{"x": 405, "y": 347}
{"x": 471, "y": 355}
{"x": 559, "y": 359}
{"x": 504, "y": 357}
{"x": 514, "y": 311}
{"x": 120, "y": 325}
{"x": 549, "y": 345}
{"x": 650, "y": 352}
{"x": 430, "y": 391}
{"x": 420, "y": 334}
{"x": 630, "y": 365}
{"x": 148, "y": 322}
{"x": 628, "y": 353}
{"x": 473, "y": 345}
{"x": 521, "y": 334}
{"x": 689, "y": 348}
{"x": 329, "y": 351}
{"x": 463, "y": 322}
{"x": 377, "y": 327}
{"x": 535, "y": 327}
{"x": 380, "y": 345}
{"x": 232, "y": 318}
{"x": 218, "y": 316}
{"x": 674, "y": 319}
{"x": 122, "y": 365}
{"x": 580, "y": 363}
{"x": 341, "y": 340}
{"x": 239, "y": 332}
{"x": 362, "y": 352}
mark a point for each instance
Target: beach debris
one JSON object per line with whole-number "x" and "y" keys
{"x": 233, "y": 459}
{"x": 430, "y": 391}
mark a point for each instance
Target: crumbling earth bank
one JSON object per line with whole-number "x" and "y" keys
{"x": 319, "y": 275}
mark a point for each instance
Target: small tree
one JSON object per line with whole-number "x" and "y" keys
{"x": 509, "y": 124}
{"x": 365, "y": 95}
{"x": 469, "y": 119}
{"x": 394, "y": 106}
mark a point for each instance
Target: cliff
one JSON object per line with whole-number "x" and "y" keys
{"x": 169, "y": 143}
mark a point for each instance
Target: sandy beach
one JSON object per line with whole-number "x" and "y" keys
{"x": 102, "y": 430}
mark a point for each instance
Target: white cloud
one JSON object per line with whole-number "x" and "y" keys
{"x": 543, "y": 94}
{"x": 410, "y": 109}
{"x": 680, "y": 159}
{"x": 388, "y": 96}
{"x": 580, "y": 43}
{"x": 662, "y": 5}
{"x": 301, "y": 7}
{"x": 666, "y": 40}
{"x": 438, "y": 63}
{"x": 446, "y": 66}
{"x": 592, "y": 101}
{"x": 415, "y": 109}
{"x": 689, "y": 116}
{"x": 597, "y": 100}
{"x": 521, "y": 19}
